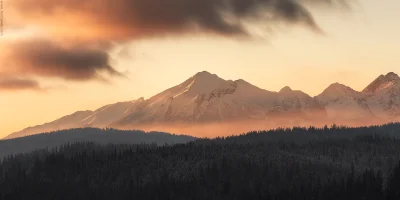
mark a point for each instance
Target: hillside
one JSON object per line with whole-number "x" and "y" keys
{"x": 98, "y": 136}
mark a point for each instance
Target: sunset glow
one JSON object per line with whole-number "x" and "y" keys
{"x": 358, "y": 45}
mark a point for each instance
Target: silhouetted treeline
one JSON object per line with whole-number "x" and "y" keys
{"x": 305, "y": 135}
{"x": 364, "y": 166}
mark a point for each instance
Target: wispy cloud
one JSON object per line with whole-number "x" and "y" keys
{"x": 16, "y": 84}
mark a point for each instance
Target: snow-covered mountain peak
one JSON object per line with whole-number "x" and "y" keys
{"x": 392, "y": 76}
{"x": 241, "y": 81}
{"x": 202, "y": 83}
{"x": 204, "y": 74}
{"x": 285, "y": 90}
{"x": 338, "y": 89}
{"x": 383, "y": 82}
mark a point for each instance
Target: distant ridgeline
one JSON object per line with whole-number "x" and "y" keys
{"x": 206, "y": 101}
{"x": 99, "y": 136}
{"x": 114, "y": 136}
{"x": 321, "y": 164}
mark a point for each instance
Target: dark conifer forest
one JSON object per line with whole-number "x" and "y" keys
{"x": 282, "y": 164}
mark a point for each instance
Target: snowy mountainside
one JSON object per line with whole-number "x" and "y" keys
{"x": 66, "y": 122}
{"x": 207, "y": 98}
{"x": 105, "y": 115}
{"x": 343, "y": 102}
{"x": 204, "y": 97}
{"x": 383, "y": 96}
{"x": 379, "y": 101}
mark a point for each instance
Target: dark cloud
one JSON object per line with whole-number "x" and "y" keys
{"x": 50, "y": 59}
{"x": 13, "y": 84}
{"x": 132, "y": 19}
{"x": 87, "y": 28}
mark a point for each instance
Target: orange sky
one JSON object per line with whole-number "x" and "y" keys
{"x": 359, "y": 46}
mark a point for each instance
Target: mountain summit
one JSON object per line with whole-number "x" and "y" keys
{"x": 383, "y": 82}
{"x": 206, "y": 98}
{"x": 335, "y": 91}
{"x": 285, "y": 89}
{"x": 203, "y": 98}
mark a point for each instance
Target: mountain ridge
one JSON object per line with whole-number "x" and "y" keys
{"x": 207, "y": 98}
{"x": 382, "y": 82}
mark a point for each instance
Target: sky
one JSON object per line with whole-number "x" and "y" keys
{"x": 62, "y": 56}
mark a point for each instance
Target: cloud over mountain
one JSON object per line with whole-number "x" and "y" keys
{"x": 82, "y": 30}
{"x": 130, "y": 19}
{"x": 50, "y": 59}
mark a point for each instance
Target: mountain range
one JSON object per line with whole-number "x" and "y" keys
{"x": 207, "y": 105}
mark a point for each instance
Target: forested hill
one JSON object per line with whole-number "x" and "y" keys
{"x": 99, "y": 136}
{"x": 362, "y": 164}
{"x": 209, "y": 171}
